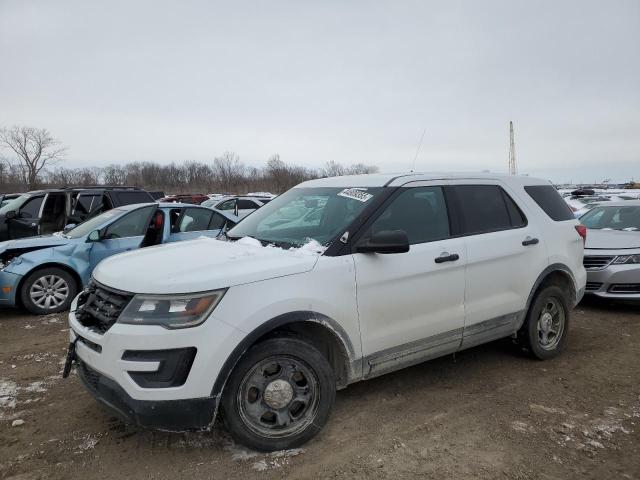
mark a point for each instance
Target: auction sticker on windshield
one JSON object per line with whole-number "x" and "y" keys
{"x": 355, "y": 194}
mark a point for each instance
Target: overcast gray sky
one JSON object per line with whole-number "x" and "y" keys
{"x": 348, "y": 81}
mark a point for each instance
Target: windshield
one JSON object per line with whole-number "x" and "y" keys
{"x": 614, "y": 218}
{"x": 302, "y": 214}
{"x": 88, "y": 226}
{"x": 14, "y": 204}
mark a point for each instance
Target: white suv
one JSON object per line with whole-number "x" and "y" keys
{"x": 388, "y": 271}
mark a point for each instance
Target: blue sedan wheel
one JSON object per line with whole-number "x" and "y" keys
{"x": 49, "y": 290}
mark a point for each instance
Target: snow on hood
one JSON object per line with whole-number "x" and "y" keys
{"x": 202, "y": 264}
{"x": 42, "y": 241}
{"x": 612, "y": 239}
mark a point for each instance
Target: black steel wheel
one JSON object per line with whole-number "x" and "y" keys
{"x": 279, "y": 395}
{"x": 546, "y": 328}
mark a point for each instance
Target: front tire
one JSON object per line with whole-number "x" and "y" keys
{"x": 48, "y": 290}
{"x": 546, "y": 329}
{"x": 279, "y": 396}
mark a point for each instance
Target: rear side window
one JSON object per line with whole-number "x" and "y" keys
{"x": 217, "y": 221}
{"x": 246, "y": 204}
{"x": 487, "y": 208}
{"x": 549, "y": 200}
{"x": 127, "y": 198}
{"x": 195, "y": 220}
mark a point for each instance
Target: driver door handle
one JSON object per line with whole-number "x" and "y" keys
{"x": 445, "y": 257}
{"x": 530, "y": 241}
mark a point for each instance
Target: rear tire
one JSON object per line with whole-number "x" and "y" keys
{"x": 546, "y": 328}
{"x": 279, "y": 395}
{"x": 48, "y": 290}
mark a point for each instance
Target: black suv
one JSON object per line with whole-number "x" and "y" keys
{"x": 47, "y": 211}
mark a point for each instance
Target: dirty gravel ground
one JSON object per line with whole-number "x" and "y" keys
{"x": 485, "y": 413}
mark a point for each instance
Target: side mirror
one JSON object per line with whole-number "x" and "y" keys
{"x": 95, "y": 236}
{"x": 68, "y": 227}
{"x": 386, "y": 241}
{"x": 11, "y": 214}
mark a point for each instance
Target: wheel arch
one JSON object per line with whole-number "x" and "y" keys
{"x": 558, "y": 274}
{"x": 70, "y": 270}
{"x": 321, "y": 331}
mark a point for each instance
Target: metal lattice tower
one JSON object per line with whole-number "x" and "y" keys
{"x": 512, "y": 152}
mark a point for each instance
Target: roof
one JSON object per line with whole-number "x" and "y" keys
{"x": 398, "y": 179}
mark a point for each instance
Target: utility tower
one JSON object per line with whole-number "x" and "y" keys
{"x": 512, "y": 152}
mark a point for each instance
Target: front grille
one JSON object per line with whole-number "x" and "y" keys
{"x": 89, "y": 375}
{"x": 592, "y": 286}
{"x": 625, "y": 288}
{"x": 99, "y": 307}
{"x": 593, "y": 262}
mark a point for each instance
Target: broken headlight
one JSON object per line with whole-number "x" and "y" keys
{"x": 171, "y": 311}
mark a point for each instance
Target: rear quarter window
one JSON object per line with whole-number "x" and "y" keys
{"x": 128, "y": 198}
{"x": 549, "y": 200}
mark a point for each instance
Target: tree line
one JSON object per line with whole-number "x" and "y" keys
{"x": 34, "y": 157}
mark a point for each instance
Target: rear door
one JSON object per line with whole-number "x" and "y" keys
{"x": 196, "y": 222}
{"x": 411, "y": 305}
{"x": 505, "y": 255}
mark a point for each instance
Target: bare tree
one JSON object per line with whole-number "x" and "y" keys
{"x": 333, "y": 169}
{"x": 34, "y": 148}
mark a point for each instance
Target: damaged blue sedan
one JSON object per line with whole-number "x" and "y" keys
{"x": 43, "y": 274}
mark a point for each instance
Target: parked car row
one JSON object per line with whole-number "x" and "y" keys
{"x": 612, "y": 252}
{"x": 47, "y": 211}
{"x": 336, "y": 281}
{"x": 582, "y": 200}
{"x": 44, "y": 273}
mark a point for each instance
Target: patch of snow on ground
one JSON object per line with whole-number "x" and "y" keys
{"x": 35, "y": 387}
{"x": 268, "y": 461}
{"x": 89, "y": 442}
{"x": 8, "y": 394}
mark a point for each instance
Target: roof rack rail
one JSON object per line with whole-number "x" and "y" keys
{"x": 103, "y": 187}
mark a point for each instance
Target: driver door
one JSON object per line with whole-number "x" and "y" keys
{"x": 27, "y": 220}
{"x": 125, "y": 233}
{"x": 411, "y": 305}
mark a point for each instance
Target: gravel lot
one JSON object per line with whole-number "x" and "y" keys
{"x": 485, "y": 413}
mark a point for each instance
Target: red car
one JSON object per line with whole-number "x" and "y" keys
{"x": 194, "y": 198}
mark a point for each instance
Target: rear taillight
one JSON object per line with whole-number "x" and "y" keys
{"x": 582, "y": 231}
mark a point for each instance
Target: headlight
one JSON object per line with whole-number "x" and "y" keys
{"x": 625, "y": 259}
{"x": 171, "y": 311}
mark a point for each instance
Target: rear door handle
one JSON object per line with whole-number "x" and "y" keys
{"x": 445, "y": 257}
{"x": 530, "y": 241}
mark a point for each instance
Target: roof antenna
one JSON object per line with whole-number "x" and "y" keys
{"x": 418, "y": 150}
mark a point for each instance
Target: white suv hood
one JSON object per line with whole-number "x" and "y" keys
{"x": 199, "y": 265}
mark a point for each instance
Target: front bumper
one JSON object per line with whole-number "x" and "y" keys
{"x": 170, "y": 415}
{"x": 8, "y": 288}
{"x": 620, "y": 282}
{"x": 113, "y": 376}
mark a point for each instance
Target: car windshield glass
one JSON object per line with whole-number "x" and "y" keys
{"x": 614, "y": 218}
{"x": 85, "y": 228}
{"x": 302, "y": 214}
{"x": 14, "y": 204}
